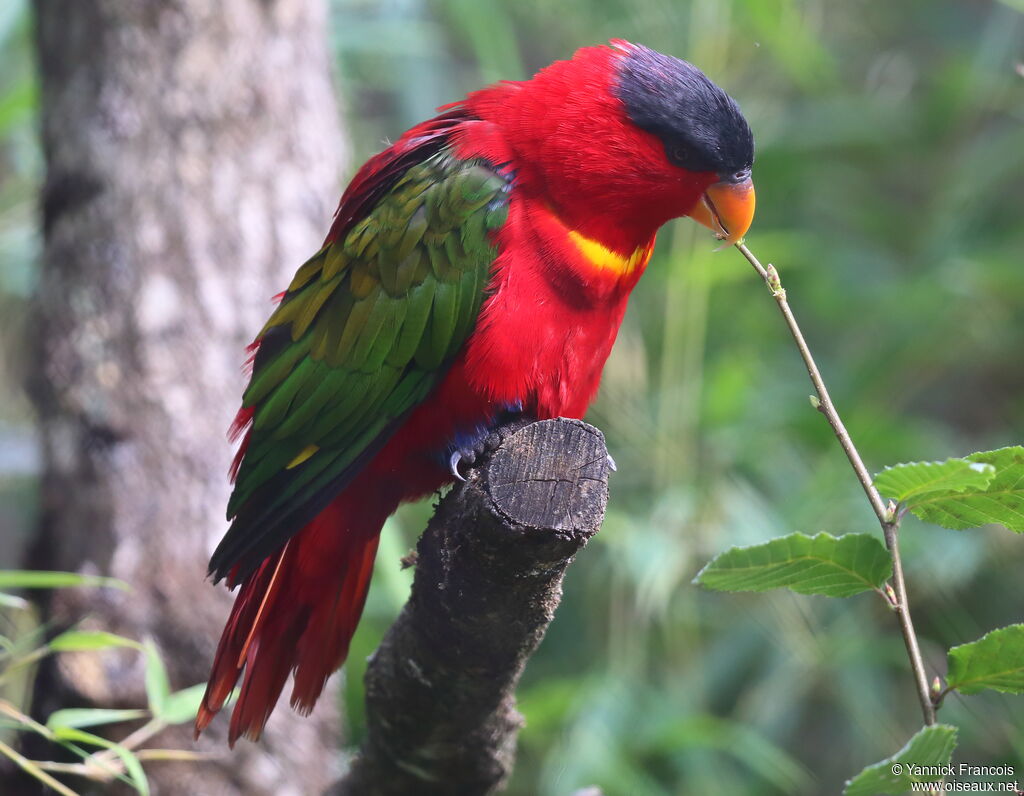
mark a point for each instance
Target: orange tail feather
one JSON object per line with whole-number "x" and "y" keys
{"x": 296, "y": 612}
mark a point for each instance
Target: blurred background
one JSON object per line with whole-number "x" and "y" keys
{"x": 890, "y": 158}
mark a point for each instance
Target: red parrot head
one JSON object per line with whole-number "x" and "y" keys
{"x": 621, "y": 138}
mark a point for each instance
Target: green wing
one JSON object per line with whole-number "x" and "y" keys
{"x": 364, "y": 332}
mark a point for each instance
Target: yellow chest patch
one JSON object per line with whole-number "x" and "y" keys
{"x": 605, "y": 259}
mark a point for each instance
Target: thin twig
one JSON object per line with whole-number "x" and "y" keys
{"x": 131, "y": 742}
{"x": 185, "y": 755}
{"x": 104, "y": 770}
{"x": 31, "y": 768}
{"x": 887, "y": 517}
{"x": 78, "y": 769}
{"x": 7, "y": 709}
{"x": 89, "y": 768}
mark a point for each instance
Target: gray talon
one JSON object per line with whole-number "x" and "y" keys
{"x": 453, "y": 464}
{"x": 611, "y": 464}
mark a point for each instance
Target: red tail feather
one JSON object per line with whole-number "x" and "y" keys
{"x": 297, "y": 612}
{"x": 240, "y": 425}
{"x": 241, "y": 422}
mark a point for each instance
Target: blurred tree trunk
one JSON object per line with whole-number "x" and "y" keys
{"x": 193, "y": 149}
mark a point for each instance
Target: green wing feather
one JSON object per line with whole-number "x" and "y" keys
{"x": 366, "y": 329}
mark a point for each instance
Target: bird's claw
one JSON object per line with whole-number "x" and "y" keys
{"x": 453, "y": 464}
{"x": 472, "y": 451}
{"x": 611, "y": 464}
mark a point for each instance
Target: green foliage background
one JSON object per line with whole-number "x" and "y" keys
{"x": 890, "y": 154}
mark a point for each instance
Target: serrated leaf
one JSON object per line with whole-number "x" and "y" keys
{"x": 78, "y": 640}
{"x": 158, "y": 688}
{"x": 995, "y": 661}
{"x": 90, "y": 717}
{"x": 1001, "y": 502}
{"x": 905, "y": 482}
{"x": 44, "y": 579}
{"x": 132, "y": 766}
{"x": 829, "y": 565}
{"x": 930, "y": 747}
{"x": 182, "y": 706}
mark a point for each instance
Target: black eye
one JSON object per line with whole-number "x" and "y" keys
{"x": 679, "y": 154}
{"x": 684, "y": 156}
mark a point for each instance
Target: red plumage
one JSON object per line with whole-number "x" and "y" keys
{"x": 541, "y": 340}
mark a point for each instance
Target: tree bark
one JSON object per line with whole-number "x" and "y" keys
{"x": 193, "y": 150}
{"x": 440, "y": 689}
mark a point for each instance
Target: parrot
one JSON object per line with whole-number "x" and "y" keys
{"x": 477, "y": 269}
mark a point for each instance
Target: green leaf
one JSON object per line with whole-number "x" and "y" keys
{"x": 182, "y": 706}
{"x": 132, "y": 766}
{"x": 158, "y": 688}
{"x": 90, "y": 717}
{"x": 994, "y": 661}
{"x": 904, "y": 482}
{"x": 76, "y": 640}
{"x": 833, "y": 566}
{"x": 929, "y": 750}
{"x": 44, "y": 579}
{"x": 1002, "y": 501}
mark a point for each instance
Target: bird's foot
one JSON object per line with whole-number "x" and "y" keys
{"x": 487, "y": 441}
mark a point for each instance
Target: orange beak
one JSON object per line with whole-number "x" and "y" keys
{"x": 727, "y": 208}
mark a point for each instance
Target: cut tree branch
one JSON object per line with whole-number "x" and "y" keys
{"x": 440, "y": 702}
{"x": 887, "y": 516}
